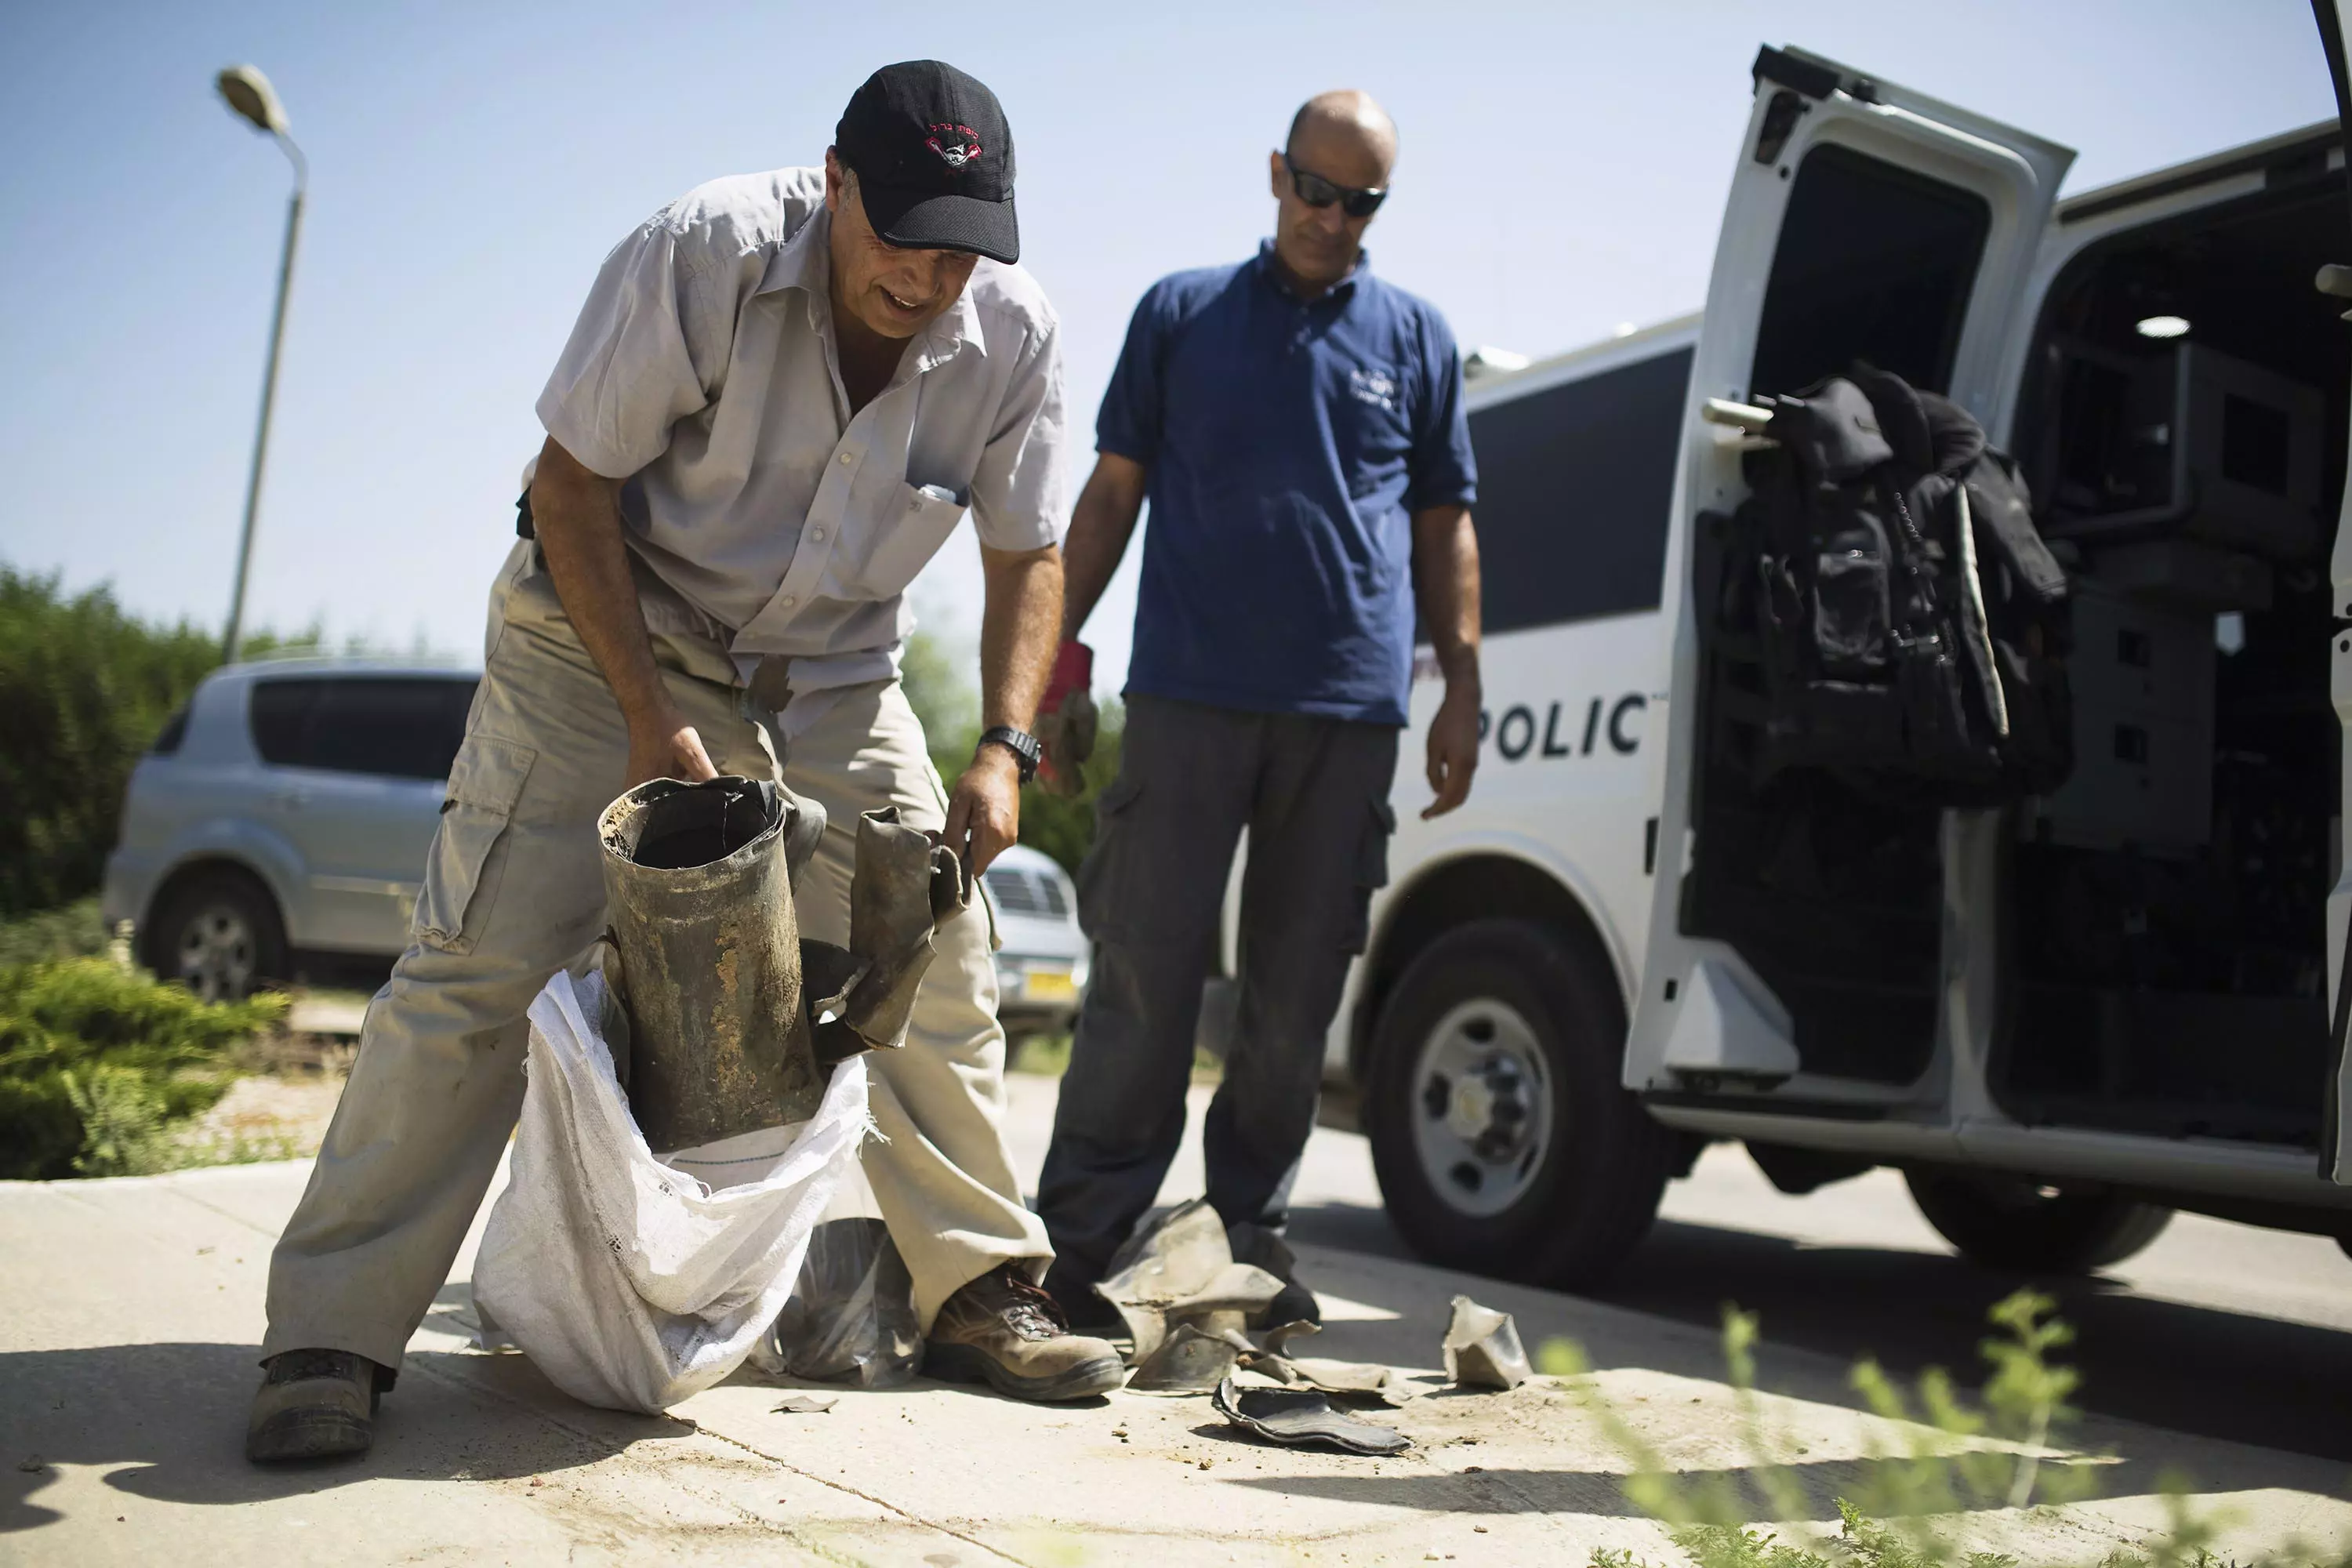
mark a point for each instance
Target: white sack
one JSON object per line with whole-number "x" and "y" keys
{"x": 632, "y": 1285}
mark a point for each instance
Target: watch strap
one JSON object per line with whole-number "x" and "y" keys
{"x": 1021, "y": 743}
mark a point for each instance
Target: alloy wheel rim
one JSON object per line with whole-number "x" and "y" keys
{"x": 215, "y": 955}
{"x": 1481, "y": 1107}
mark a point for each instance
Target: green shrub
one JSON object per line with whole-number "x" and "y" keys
{"x": 99, "y": 1063}
{"x": 84, "y": 689}
{"x": 74, "y": 931}
{"x": 1906, "y": 1507}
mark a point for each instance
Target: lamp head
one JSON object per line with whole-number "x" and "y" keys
{"x": 248, "y": 93}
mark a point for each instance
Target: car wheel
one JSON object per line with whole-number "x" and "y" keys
{"x": 2018, "y": 1224}
{"x": 1504, "y": 1141}
{"x": 218, "y": 934}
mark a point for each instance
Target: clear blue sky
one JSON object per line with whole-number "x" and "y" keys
{"x": 1563, "y": 167}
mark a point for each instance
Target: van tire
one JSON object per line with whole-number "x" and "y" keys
{"x": 1593, "y": 1187}
{"x": 2006, "y": 1223}
{"x": 231, "y": 916}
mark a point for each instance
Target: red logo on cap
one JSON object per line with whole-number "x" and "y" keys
{"x": 959, "y": 144}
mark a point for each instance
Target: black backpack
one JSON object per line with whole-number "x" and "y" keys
{"x": 1903, "y": 623}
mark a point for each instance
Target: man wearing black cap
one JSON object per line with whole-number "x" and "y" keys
{"x": 783, "y": 394}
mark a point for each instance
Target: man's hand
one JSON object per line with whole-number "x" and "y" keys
{"x": 1067, "y": 721}
{"x": 1445, "y": 585}
{"x": 1453, "y": 748}
{"x": 666, "y": 747}
{"x": 984, "y": 810}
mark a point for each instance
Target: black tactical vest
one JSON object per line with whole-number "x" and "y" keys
{"x": 1886, "y": 574}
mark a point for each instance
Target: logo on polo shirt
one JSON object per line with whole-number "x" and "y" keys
{"x": 1376, "y": 387}
{"x": 959, "y": 144}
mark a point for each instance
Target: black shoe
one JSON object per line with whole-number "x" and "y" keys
{"x": 1266, "y": 1248}
{"x": 313, "y": 1404}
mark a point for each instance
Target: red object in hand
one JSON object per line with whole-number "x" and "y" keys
{"x": 1074, "y": 671}
{"x": 1065, "y": 720}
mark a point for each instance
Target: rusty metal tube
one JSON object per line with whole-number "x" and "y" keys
{"x": 698, "y": 893}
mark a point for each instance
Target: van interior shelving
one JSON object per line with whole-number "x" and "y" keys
{"x": 2164, "y": 966}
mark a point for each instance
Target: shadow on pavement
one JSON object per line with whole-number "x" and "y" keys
{"x": 168, "y": 1421}
{"x": 2196, "y": 1370}
{"x": 1598, "y": 1493}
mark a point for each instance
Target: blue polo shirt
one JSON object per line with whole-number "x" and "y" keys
{"x": 1289, "y": 444}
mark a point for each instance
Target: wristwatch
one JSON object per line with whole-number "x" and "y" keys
{"x": 1021, "y": 743}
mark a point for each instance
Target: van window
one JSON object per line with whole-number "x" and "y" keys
{"x": 1874, "y": 263}
{"x": 1574, "y": 485}
{"x": 404, "y": 727}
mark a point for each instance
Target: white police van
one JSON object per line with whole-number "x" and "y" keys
{"x": 2064, "y": 1020}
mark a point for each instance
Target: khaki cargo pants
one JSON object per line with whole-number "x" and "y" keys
{"x": 514, "y": 891}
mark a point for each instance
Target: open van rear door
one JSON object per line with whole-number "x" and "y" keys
{"x": 1865, "y": 222}
{"x": 2335, "y": 18}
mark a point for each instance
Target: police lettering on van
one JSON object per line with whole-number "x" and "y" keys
{"x": 1515, "y": 733}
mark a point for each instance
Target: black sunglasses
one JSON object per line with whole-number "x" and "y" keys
{"x": 1318, "y": 192}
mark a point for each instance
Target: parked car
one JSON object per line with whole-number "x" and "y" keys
{"x": 284, "y": 815}
{"x": 1042, "y": 967}
{"x": 2062, "y": 1021}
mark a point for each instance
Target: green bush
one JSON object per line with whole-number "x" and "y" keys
{"x": 99, "y": 1063}
{"x": 84, "y": 688}
{"x": 1906, "y": 1509}
{"x": 74, "y": 931}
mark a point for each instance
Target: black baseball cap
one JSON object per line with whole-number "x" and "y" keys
{"x": 934, "y": 160}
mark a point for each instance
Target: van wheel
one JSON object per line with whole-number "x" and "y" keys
{"x": 2016, "y": 1223}
{"x": 1503, "y": 1141}
{"x": 217, "y": 933}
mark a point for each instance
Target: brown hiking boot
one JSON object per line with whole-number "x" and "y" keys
{"x": 1006, "y": 1332}
{"x": 313, "y": 1404}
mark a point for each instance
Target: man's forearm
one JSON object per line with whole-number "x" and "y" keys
{"x": 1445, "y": 581}
{"x": 576, "y": 514}
{"x": 1100, "y": 526}
{"x": 1019, "y": 628}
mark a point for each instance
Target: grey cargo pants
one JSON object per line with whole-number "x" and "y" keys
{"x": 514, "y": 890}
{"x": 1313, "y": 793}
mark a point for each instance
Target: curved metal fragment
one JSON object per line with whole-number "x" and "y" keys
{"x": 903, "y": 888}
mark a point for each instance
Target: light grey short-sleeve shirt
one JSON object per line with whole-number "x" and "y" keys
{"x": 702, "y": 370}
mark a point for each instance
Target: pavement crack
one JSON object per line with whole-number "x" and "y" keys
{"x": 610, "y": 1450}
{"x": 230, "y": 1216}
{"x": 880, "y": 1502}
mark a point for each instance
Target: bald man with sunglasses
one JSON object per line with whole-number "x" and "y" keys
{"x": 1296, "y": 425}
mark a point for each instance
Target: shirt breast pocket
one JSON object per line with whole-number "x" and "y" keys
{"x": 905, "y": 538}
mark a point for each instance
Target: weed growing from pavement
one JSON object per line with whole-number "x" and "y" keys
{"x": 1900, "y": 1514}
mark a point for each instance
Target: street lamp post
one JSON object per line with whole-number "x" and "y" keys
{"x": 249, "y": 94}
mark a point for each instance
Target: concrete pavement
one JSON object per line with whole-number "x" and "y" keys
{"x": 129, "y": 1312}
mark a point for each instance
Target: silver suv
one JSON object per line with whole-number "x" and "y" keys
{"x": 1042, "y": 966}
{"x": 284, "y": 815}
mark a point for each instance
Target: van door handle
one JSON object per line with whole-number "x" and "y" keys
{"x": 292, "y": 799}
